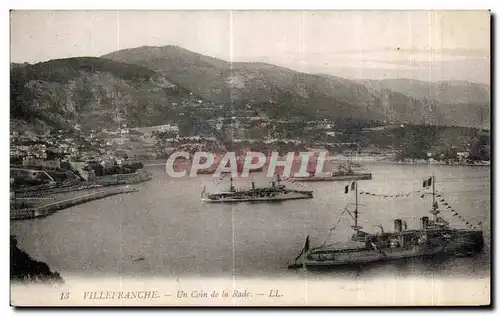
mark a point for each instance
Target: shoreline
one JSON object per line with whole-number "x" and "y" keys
{"x": 100, "y": 182}
{"x": 51, "y": 208}
{"x": 25, "y": 269}
{"x": 435, "y": 163}
{"x": 353, "y": 159}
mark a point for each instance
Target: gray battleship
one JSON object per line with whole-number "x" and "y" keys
{"x": 344, "y": 173}
{"x": 435, "y": 237}
{"x": 274, "y": 192}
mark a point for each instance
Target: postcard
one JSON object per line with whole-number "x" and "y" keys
{"x": 250, "y": 158}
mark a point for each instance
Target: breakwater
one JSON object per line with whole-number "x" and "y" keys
{"x": 47, "y": 209}
{"x": 42, "y": 194}
{"x": 109, "y": 180}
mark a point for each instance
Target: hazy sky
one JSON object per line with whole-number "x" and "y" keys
{"x": 437, "y": 45}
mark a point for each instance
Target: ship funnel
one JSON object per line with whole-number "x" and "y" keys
{"x": 424, "y": 222}
{"x": 398, "y": 225}
{"x": 253, "y": 185}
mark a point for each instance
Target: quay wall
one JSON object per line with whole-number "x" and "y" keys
{"x": 110, "y": 180}
{"x": 48, "y": 209}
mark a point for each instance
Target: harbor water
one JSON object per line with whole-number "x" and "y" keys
{"x": 175, "y": 234}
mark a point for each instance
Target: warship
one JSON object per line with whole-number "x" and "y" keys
{"x": 274, "y": 192}
{"x": 240, "y": 164}
{"x": 434, "y": 238}
{"x": 344, "y": 173}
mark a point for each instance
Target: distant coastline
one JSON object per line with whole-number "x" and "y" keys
{"x": 386, "y": 159}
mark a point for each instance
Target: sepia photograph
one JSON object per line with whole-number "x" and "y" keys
{"x": 250, "y": 158}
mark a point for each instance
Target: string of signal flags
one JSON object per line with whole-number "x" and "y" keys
{"x": 426, "y": 184}
{"x": 422, "y": 191}
{"x": 455, "y": 213}
{"x": 352, "y": 187}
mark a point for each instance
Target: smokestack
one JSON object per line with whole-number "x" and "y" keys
{"x": 253, "y": 185}
{"x": 424, "y": 222}
{"x": 398, "y": 225}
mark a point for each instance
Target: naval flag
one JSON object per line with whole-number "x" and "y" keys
{"x": 353, "y": 186}
{"x": 427, "y": 183}
{"x": 306, "y": 246}
{"x": 305, "y": 249}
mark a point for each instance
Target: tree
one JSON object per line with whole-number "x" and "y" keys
{"x": 417, "y": 141}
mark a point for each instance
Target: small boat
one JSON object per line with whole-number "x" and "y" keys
{"x": 435, "y": 237}
{"x": 275, "y": 192}
{"x": 344, "y": 173}
{"x": 356, "y": 166}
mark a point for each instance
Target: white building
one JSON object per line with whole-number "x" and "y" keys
{"x": 168, "y": 128}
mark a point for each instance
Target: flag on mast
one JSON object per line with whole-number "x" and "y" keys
{"x": 305, "y": 249}
{"x": 353, "y": 186}
{"x": 306, "y": 246}
{"x": 427, "y": 183}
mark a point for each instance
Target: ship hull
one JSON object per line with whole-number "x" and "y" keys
{"x": 466, "y": 243}
{"x": 364, "y": 176}
{"x": 366, "y": 257}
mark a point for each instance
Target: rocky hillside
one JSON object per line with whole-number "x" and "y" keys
{"x": 281, "y": 92}
{"x": 25, "y": 269}
{"x": 92, "y": 92}
{"x": 277, "y": 91}
{"x": 462, "y": 103}
{"x": 148, "y": 86}
{"x": 445, "y": 92}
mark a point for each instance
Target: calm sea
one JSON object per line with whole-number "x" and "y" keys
{"x": 176, "y": 234}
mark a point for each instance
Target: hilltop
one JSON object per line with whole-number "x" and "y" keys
{"x": 282, "y": 92}
{"x": 148, "y": 86}
{"x": 464, "y": 103}
{"x": 91, "y": 92}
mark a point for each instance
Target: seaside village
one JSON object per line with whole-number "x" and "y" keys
{"x": 52, "y": 157}
{"x": 96, "y": 155}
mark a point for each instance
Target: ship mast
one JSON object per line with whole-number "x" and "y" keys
{"x": 356, "y": 209}
{"x": 433, "y": 193}
{"x": 434, "y": 210}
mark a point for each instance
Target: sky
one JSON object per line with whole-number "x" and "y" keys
{"x": 424, "y": 45}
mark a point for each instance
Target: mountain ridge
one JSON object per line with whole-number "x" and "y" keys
{"x": 92, "y": 92}
{"x": 243, "y": 82}
{"x": 447, "y": 92}
{"x": 140, "y": 86}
